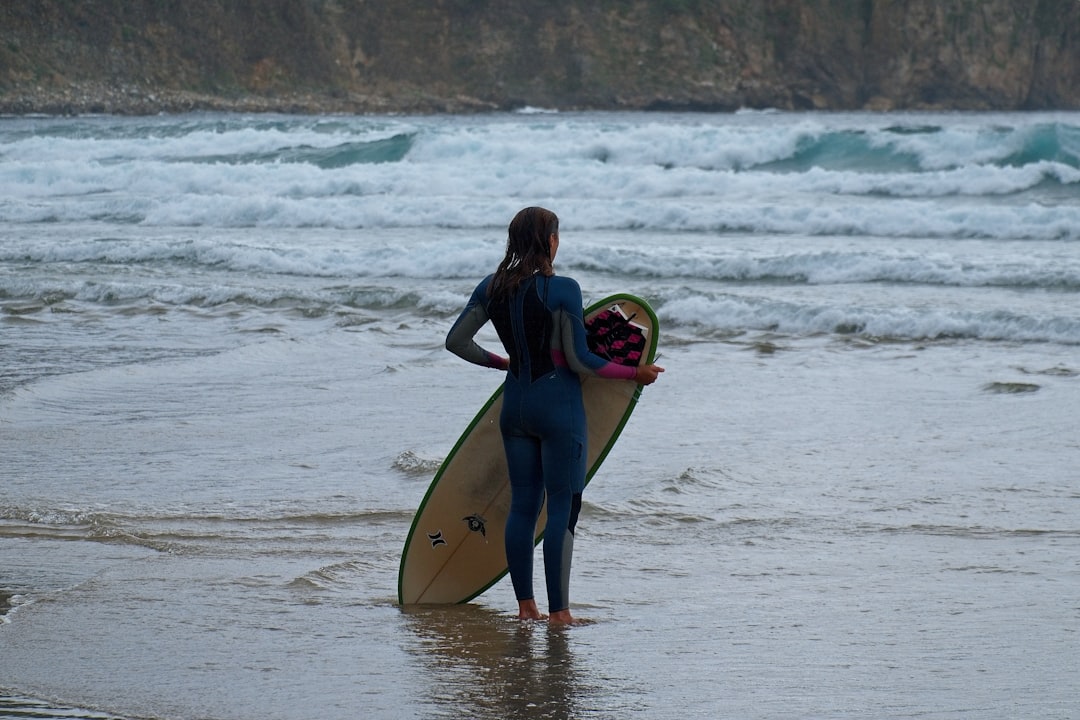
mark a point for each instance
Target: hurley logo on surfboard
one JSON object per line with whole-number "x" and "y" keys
{"x": 476, "y": 524}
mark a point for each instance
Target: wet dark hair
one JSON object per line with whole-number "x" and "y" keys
{"x": 528, "y": 250}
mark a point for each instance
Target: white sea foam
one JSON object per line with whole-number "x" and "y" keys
{"x": 773, "y": 174}
{"x": 364, "y": 213}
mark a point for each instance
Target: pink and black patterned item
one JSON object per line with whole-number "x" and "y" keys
{"x": 614, "y": 336}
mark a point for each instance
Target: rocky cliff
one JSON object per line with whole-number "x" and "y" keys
{"x": 146, "y": 56}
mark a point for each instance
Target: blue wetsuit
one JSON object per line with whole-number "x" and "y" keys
{"x": 543, "y": 416}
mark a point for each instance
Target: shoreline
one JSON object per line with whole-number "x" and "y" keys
{"x": 136, "y": 100}
{"x": 96, "y": 98}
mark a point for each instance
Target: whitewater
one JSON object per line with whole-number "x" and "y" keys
{"x": 223, "y": 393}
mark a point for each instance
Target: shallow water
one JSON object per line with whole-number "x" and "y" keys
{"x": 852, "y": 495}
{"x": 765, "y": 548}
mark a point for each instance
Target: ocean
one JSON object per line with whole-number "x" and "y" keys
{"x": 855, "y": 493}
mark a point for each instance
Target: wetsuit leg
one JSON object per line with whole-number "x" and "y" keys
{"x": 564, "y": 473}
{"x": 526, "y": 501}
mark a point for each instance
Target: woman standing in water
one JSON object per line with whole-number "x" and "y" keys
{"x": 538, "y": 317}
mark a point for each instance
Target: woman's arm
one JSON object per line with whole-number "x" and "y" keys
{"x": 575, "y": 344}
{"x": 566, "y": 302}
{"x": 460, "y": 338}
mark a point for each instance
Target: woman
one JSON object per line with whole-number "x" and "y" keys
{"x": 538, "y": 317}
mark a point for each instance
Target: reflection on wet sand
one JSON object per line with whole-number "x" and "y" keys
{"x": 483, "y": 664}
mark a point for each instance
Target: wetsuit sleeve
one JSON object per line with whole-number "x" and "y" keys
{"x": 575, "y": 346}
{"x": 460, "y": 338}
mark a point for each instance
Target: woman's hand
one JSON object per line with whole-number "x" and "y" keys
{"x": 647, "y": 374}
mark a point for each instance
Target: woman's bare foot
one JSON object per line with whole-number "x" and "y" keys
{"x": 527, "y": 610}
{"x": 561, "y": 617}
